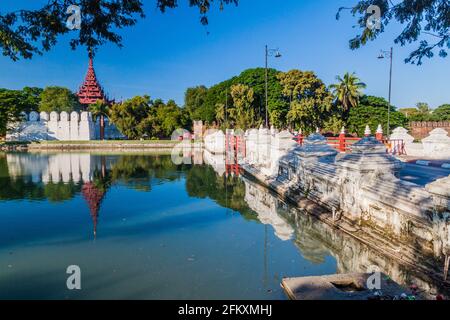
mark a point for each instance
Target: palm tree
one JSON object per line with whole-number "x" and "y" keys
{"x": 100, "y": 110}
{"x": 347, "y": 91}
{"x": 220, "y": 113}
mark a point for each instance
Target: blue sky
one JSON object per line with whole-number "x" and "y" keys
{"x": 167, "y": 53}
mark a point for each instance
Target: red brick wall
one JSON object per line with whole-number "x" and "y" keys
{"x": 420, "y": 130}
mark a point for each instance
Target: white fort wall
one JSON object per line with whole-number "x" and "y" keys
{"x": 59, "y": 126}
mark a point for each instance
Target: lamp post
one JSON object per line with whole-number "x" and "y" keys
{"x": 390, "y": 55}
{"x": 269, "y": 53}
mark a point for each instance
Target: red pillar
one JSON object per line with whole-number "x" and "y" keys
{"x": 300, "y": 139}
{"x": 379, "y": 136}
{"x": 342, "y": 142}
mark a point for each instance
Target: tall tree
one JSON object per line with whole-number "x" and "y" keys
{"x": 100, "y": 110}
{"x": 426, "y": 21}
{"x": 423, "y": 108}
{"x": 242, "y": 112}
{"x": 169, "y": 118}
{"x": 221, "y": 114}
{"x": 11, "y": 106}
{"x": 194, "y": 100}
{"x": 27, "y": 32}
{"x": 373, "y": 111}
{"x": 58, "y": 99}
{"x": 32, "y": 98}
{"x": 220, "y": 94}
{"x": 128, "y": 116}
{"x": 310, "y": 100}
{"x": 442, "y": 113}
{"x": 347, "y": 92}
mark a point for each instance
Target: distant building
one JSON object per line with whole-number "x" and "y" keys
{"x": 64, "y": 126}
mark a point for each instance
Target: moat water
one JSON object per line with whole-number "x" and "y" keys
{"x": 141, "y": 227}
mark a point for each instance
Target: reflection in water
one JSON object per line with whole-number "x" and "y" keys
{"x": 94, "y": 197}
{"x": 169, "y": 225}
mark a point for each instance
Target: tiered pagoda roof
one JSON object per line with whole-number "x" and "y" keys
{"x": 94, "y": 198}
{"x": 91, "y": 90}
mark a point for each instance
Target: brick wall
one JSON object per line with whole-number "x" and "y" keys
{"x": 420, "y": 130}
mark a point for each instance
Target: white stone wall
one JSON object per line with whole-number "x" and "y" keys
{"x": 363, "y": 187}
{"x": 215, "y": 142}
{"x": 266, "y": 147}
{"x": 60, "y": 126}
{"x": 435, "y": 146}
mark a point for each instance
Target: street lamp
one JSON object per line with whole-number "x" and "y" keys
{"x": 269, "y": 53}
{"x": 390, "y": 55}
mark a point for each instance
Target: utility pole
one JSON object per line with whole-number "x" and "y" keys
{"x": 269, "y": 52}
{"x": 390, "y": 55}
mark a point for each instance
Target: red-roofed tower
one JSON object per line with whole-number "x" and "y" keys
{"x": 91, "y": 90}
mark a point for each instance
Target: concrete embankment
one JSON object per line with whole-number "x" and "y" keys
{"x": 107, "y": 145}
{"x": 410, "y": 257}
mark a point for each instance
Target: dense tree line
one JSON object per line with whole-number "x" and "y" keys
{"x": 202, "y": 103}
{"x": 423, "y": 112}
{"x": 296, "y": 100}
{"x": 14, "y": 102}
{"x": 140, "y": 117}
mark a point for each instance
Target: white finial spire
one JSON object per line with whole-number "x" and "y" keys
{"x": 367, "y": 132}
{"x": 343, "y": 130}
{"x": 380, "y": 129}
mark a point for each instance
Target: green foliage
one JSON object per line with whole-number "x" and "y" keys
{"x": 420, "y": 19}
{"x": 334, "y": 124}
{"x": 423, "y": 108}
{"x": 138, "y": 172}
{"x": 347, "y": 92}
{"x": 227, "y": 191}
{"x": 10, "y": 108}
{"x": 164, "y": 119}
{"x": 31, "y": 99}
{"x": 140, "y": 117}
{"x": 442, "y": 113}
{"x": 129, "y": 116}
{"x": 373, "y": 111}
{"x": 311, "y": 101}
{"x": 24, "y": 33}
{"x": 206, "y": 101}
{"x": 410, "y": 112}
{"x": 58, "y": 99}
{"x": 13, "y": 102}
{"x": 98, "y": 109}
{"x": 194, "y": 99}
{"x": 242, "y": 114}
{"x": 422, "y": 112}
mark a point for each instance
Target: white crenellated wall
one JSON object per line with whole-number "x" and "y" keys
{"x": 55, "y": 126}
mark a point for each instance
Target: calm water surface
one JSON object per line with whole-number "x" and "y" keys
{"x": 141, "y": 227}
